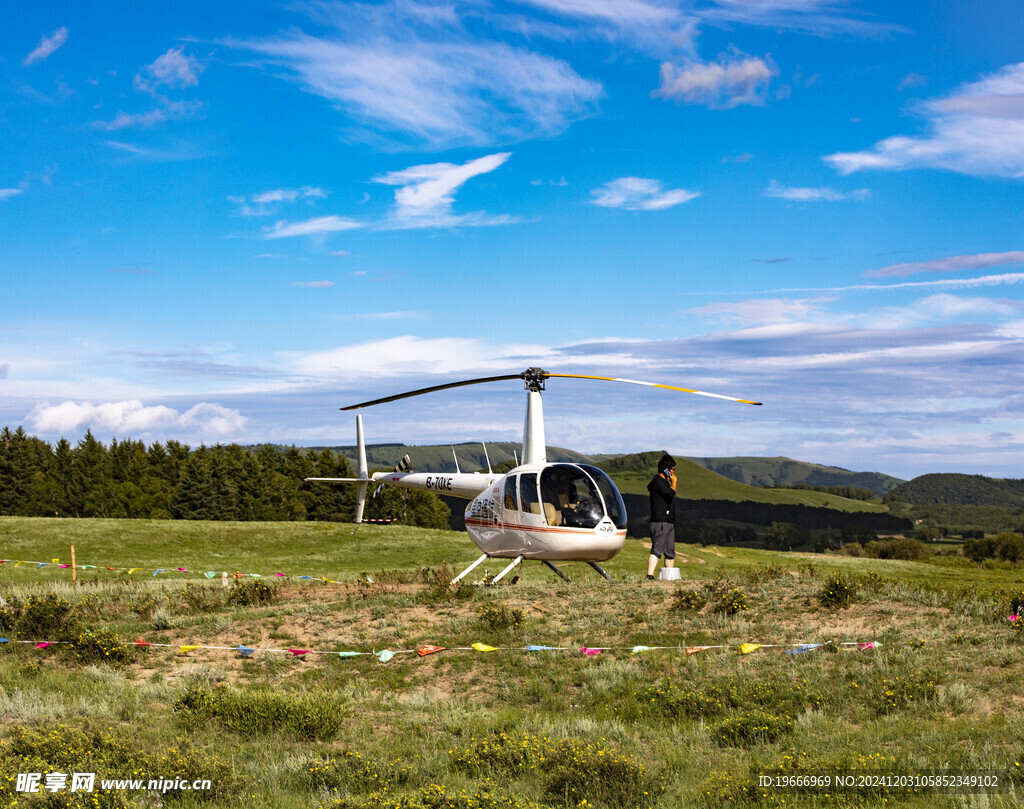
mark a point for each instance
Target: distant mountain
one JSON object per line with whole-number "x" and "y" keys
{"x": 958, "y": 489}
{"x": 756, "y": 471}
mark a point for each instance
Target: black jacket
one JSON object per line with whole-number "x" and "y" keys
{"x": 663, "y": 500}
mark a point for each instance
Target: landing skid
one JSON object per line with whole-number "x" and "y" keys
{"x": 518, "y": 560}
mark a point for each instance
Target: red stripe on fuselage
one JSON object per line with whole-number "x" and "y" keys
{"x": 554, "y": 529}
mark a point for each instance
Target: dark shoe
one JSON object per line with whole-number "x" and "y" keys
{"x": 650, "y": 578}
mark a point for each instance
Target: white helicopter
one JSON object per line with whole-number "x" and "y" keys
{"x": 550, "y": 512}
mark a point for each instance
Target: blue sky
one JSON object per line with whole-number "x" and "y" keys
{"x": 221, "y": 222}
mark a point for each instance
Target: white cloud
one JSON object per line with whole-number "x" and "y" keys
{"x": 311, "y": 227}
{"x": 7, "y": 193}
{"x": 950, "y": 264}
{"x": 434, "y": 84}
{"x": 760, "y": 310}
{"x": 410, "y": 355}
{"x": 814, "y": 194}
{"x": 640, "y": 194}
{"x": 133, "y": 418}
{"x": 818, "y": 17}
{"x": 733, "y": 79}
{"x": 427, "y": 192}
{"x": 47, "y": 45}
{"x": 313, "y": 284}
{"x": 266, "y": 202}
{"x": 175, "y": 70}
{"x": 977, "y": 130}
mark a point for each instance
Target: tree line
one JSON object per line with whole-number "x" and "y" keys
{"x": 175, "y": 481}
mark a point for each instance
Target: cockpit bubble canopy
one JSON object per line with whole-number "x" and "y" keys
{"x": 580, "y": 495}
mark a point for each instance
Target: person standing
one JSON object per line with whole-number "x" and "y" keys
{"x": 663, "y": 515}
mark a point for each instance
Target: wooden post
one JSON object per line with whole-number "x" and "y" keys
{"x": 74, "y": 569}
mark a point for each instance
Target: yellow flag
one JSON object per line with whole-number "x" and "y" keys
{"x": 183, "y": 649}
{"x": 747, "y": 648}
{"x": 483, "y": 647}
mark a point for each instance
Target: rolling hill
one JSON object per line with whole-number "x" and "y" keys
{"x": 782, "y": 471}
{"x": 958, "y": 489}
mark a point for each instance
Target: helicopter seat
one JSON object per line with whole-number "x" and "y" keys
{"x": 553, "y": 515}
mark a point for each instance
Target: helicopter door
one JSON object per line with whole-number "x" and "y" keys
{"x": 529, "y": 500}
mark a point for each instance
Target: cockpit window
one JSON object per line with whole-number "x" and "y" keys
{"x": 612, "y": 498}
{"x": 570, "y": 497}
{"x": 528, "y": 493}
{"x": 511, "y": 501}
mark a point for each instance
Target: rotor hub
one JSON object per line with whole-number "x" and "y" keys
{"x": 533, "y": 379}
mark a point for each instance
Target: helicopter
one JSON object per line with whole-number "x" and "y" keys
{"x": 540, "y": 510}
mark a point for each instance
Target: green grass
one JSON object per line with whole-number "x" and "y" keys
{"x": 506, "y": 728}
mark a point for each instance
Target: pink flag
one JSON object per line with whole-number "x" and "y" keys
{"x": 298, "y": 652}
{"x": 589, "y": 652}
{"x": 692, "y": 650}
{"x": 43, "y": 645}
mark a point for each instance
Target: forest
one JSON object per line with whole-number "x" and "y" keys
{"x": 176, "y": 481}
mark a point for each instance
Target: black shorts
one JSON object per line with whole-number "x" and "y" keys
{"x": 663, "y": 539}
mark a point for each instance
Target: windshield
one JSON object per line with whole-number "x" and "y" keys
{"x": 570, "y": 497}
{"x": 612, "y": 498}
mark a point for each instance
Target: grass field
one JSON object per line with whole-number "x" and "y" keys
{"x": 504, "y": 728}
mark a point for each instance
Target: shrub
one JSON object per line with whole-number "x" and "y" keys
{"x": 907, "y": 549}
{"x": 498, "y": 618}
{"x": 258, "y": 712}
{"x": 47, "y": 615}
{"x": 838, "y": 591}
{"x": 251, "y": 593}
{"x": 101, "y": 646}
{"x": 730, "y": 602}
{"x": 753, "y": 727}
{"x": 204, "y": 598}
{"x": 10, "y": 612}
{"x": 688, "y": 600}
{"x": 574, "y": 772}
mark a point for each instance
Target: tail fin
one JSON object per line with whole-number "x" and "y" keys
{"x": 363, "y": 473}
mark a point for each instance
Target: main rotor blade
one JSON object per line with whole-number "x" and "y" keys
{"x": 432, "y": 389}
{"x": 656, "y": 385}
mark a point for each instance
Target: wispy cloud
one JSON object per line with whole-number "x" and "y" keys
{"x": 950, "y": 264}
{"x": 824, "y": 18}
{"x": 47, "y": 45}
{"x": 731, "y": 80}
{"x": 174, "y": 70}
{"x": 824, "y": 194}
{"x": 311, "y": 227}
{"x": 266, "y": 202}
{"x": 1004, "y": 279}
{"x": 426, "y": 193}
{"x": 313, "y": 284}
{"x": 977, "y": 130}
{"x": 760, "y": 310}
{"x": 431, "y": 83}
{"x": 640, "y": 194}
{"x": 7, "y": 193}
